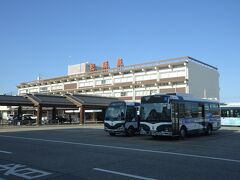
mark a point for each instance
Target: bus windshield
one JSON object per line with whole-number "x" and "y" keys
{"x": 115, "y": 113}
{"x": 155, "y": 109}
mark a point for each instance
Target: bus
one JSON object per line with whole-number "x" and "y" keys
{"x": 178, "y": 114}
{"x": 122, "y": 118}
{"x": 230, "y": 114}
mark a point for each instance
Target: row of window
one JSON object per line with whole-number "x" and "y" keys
{"x": 173, "y": 74}
{"x": 109, "y": 81}
{"x": 128, "y": 93}
{"x": 230, "y": 112}
{"x": 85, "y": 84}
{"x": 195, "y": 110}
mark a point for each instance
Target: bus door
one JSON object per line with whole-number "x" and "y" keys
{"x": 175, "y": 118}
{"x": 131, "y": 118}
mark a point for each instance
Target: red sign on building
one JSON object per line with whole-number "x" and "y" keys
{"x": 92, "y": 67}
{"x": 105, "y": 65}
{"x": 119, "y": 63}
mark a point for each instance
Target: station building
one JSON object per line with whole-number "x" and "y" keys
{"x": 182, "y": 75}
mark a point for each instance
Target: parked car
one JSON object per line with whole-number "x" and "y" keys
{"x": 11, "y": 117}
{"x": 24, "y": 120}
{"x": 30, "y": 115}
{"x": 45, "y": 120}
{"x": 58, "y": 120}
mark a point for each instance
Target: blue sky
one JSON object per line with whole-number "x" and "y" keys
{"x": 44, "y": 36}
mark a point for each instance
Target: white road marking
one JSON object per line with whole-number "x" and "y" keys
{"x": 22, "y": 171}
{"x": 6, "y": 152}
{"x": 123, "y": 174}
{"x": 125, "y": 148}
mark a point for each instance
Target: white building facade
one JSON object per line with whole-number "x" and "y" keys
{"x": 184, "y": 75}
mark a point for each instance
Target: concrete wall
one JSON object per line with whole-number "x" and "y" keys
{"x": 203, "y": 81}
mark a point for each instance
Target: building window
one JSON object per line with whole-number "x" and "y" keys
{"x": 139, "y": 93}
{"x": 146, "y": 77}
{"x": 117, "y": 94}
{"x": 108, "y": 81}
{"x": 99, "y": 82}
{"x": 81, "y": 84}
{"x": 123, "y": 93}
{"x": 153, "y": 92}
{"x": 117, "y": 80}
{"x": 23, "y": 91}
{"x": 127, "y": 79}
{"x": 57, "y": 87}
{"x": 129, "y": 93}
{"x": 43, "y": 89}
{"x": 104, "y": 81}
{"x": 163, "y": 84}
{"x": 107, "y": 94}
{"x": 33, "y": 90}
{"x": 139, "y": 78}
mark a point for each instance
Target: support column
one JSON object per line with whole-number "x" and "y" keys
{"x": 54, "y": 112}
{"x": 19, "y": 114}
{"x": 94, "y": 117}
{"x": 82, "y": 115}
{"x": 134, "y": 94}
{"x": 103, "y": 113}
{"x": 158, "y": 76}
{"x": 39, "y": 115}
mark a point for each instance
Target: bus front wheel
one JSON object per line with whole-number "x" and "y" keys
{"x": 209, "y": 130}
{"x": 112, "y": 134}
{"x": 130, "y": 131}
{"x": 182, "y": 133}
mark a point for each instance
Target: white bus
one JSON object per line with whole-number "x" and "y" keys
{"x": 178, "y": 114}
{"x": 230, "y": 114}
{"x": 122, "y": 118}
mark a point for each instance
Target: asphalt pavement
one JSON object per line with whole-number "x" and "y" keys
{"x": 81, "y": 152}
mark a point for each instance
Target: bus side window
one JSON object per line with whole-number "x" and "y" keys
{"x": 194, "y": 110}
{"x": 131, "y": 113}
{"x": 206, "y": 109}
{"x": 236, "y": 113}
{"x": 181, "y": 110}
{"x": 214, "y": 108}
{"x": 188, "y": 110}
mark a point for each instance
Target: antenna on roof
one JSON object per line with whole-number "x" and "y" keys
{"x": 39, "y": 77}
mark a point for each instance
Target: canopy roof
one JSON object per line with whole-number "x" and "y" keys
{"x": 67, "y": 101}
{"x": 6, "y": 100}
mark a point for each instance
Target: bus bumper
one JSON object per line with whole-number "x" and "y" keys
{"x": 161, "y": 133}
{"x": 118, "y": 130}
{"x": 142, "y": 132}
{"x": 156, "y": 133}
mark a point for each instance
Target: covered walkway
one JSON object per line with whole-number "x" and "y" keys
{"x": 68, "y": 101}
